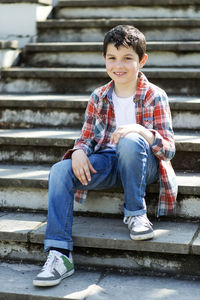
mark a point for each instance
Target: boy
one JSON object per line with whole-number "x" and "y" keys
{"x": 126, "y": 140}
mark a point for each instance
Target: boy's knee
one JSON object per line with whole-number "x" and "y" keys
{"x": 61, "y": 168}
{"x": 132, "y": 142}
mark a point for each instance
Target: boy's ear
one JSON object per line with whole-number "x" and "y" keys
{"x": 143, "y": 60}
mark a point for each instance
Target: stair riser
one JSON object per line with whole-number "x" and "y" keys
{"x": 173, "y": 86}
{"x": 97, "y": 34}
{"x": 121, "y": 260}
{"x": 127, "y": 12}
{"x": 30, "y": 154}
{"x": 185, "y": 120}
{"x": 28, "y": 118}
{"x": 95, "y": 59}
{"x": 185, "y": 158}
{"x": 101, "y": 202}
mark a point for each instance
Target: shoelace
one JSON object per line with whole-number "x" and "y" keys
{"x": 49, "y": 263}
{"x": 137, "y": 220}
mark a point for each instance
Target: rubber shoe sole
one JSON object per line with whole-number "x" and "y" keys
{"x": 38, "y": 282}
{"x": 142, "y": 236}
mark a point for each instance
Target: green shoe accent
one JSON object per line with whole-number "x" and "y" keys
{"x": 67, "y": 263}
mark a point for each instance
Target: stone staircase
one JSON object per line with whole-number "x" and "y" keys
{"x": 42, "y": 105}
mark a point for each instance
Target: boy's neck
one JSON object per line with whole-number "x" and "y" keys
{"x": 125, "y": 90}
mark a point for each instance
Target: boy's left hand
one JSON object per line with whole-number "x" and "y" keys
{"x": 122, "y": 131}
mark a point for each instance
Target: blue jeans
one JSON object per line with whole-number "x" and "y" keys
{"x": 132, "y": 165}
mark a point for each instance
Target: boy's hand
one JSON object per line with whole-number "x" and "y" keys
{"x": 81, "y": 166}
{"x": 122, "y": 131}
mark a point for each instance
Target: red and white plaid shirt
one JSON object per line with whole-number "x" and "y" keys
{"x": 153, "y": 112}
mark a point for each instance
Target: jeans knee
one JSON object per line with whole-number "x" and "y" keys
{"x": 131, "y": 144}
{"x": 61, "y": 169}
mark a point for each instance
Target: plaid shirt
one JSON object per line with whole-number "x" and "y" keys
{"x": 153, "y": 112}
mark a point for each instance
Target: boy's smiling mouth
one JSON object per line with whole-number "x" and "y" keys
{"x": 119, "y": 74}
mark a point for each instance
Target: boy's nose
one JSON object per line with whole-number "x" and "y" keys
{"x": 119, "y": 63}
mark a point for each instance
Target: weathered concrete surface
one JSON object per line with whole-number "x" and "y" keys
{"x": 31, "y": 146}
{"x": 16, "y": 227}
{"x": 161, "y": 54}
{"x": 162, "y": 46}
{"x": 185, "y": 141}
{"x": 8, "y": 58}
{"x": 27, "y": 111}
{"x": 106, "y": 243}
{"x": 28, "y": 118}
{"x": 25, "y": 187}
{"x": 72, "y": 101}
{"x": 113, "y": 234}
{"x": 126, "y": 12}
{"x": 95, "y": 59}
{"x": 170, "y": 237}
{"x": 93, "y": 30}
{"x": 93, "y": 285}
{"x": 63, "y": 80}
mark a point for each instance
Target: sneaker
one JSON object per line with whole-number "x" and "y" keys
{"x": 56, "y": 268}
{"x": 140, "y": 227}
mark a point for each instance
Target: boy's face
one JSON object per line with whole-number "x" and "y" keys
{"x": 122, "y": 64}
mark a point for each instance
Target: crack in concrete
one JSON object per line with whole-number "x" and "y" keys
{"x": 193, "y": 239}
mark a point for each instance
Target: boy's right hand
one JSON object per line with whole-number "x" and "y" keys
{"x": 81, "y": 166}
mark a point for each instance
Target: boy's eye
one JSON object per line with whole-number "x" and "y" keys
{"x": 128, "y": 58}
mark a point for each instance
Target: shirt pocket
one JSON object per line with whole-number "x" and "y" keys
{"x": 148, "y": 122}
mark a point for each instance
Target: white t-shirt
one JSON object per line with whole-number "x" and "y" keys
{"x": 124, "y": 110}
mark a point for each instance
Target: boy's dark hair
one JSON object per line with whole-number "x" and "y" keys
{"x": 127, "y": 36}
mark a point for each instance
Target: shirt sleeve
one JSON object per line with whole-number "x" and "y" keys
{"x": 163, "y": 146}
{"x": 85, "y": 142}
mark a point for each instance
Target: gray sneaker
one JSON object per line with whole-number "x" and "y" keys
{"x": 56, "y": 268}
{"x": 140, "y": 227}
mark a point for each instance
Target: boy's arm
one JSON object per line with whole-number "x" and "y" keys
{"x": 161, "y": 137}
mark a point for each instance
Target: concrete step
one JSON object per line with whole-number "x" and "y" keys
{"x": 126, "y": 9}
{"x": 43, "y": 145}
{"x": 82, "y": 54}
{"x": 94, "y": 285}
{"x": 28, "y": 111}
{"x": 9, "y": 53}
{"x": 94, "y": 29}
{"x": 175, "y": 81}
{"x": 41, "y": 2}
{"x": 175, "y": 248}
{"x": 24, "y": 188}
{"x": 35, "y": 145}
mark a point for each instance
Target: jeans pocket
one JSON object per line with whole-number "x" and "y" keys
{"x": 103, "y": 162}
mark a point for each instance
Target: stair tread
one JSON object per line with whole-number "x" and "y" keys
{"x": 97, "y": 46}
{"x": 41, "y": 2}
{"x": 110, "y": 22}
{"x": 93, "y": 285}
{"x": 79, "y": 101}
{"x": 105, "y": 3}
{"x": 40, "y": 72}
{"x": 65, "y": 134}
{"x": 37, "y": 176}
{"x": 96, "y": 232}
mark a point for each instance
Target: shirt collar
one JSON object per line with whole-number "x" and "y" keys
{"x": 141, "y": 89}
